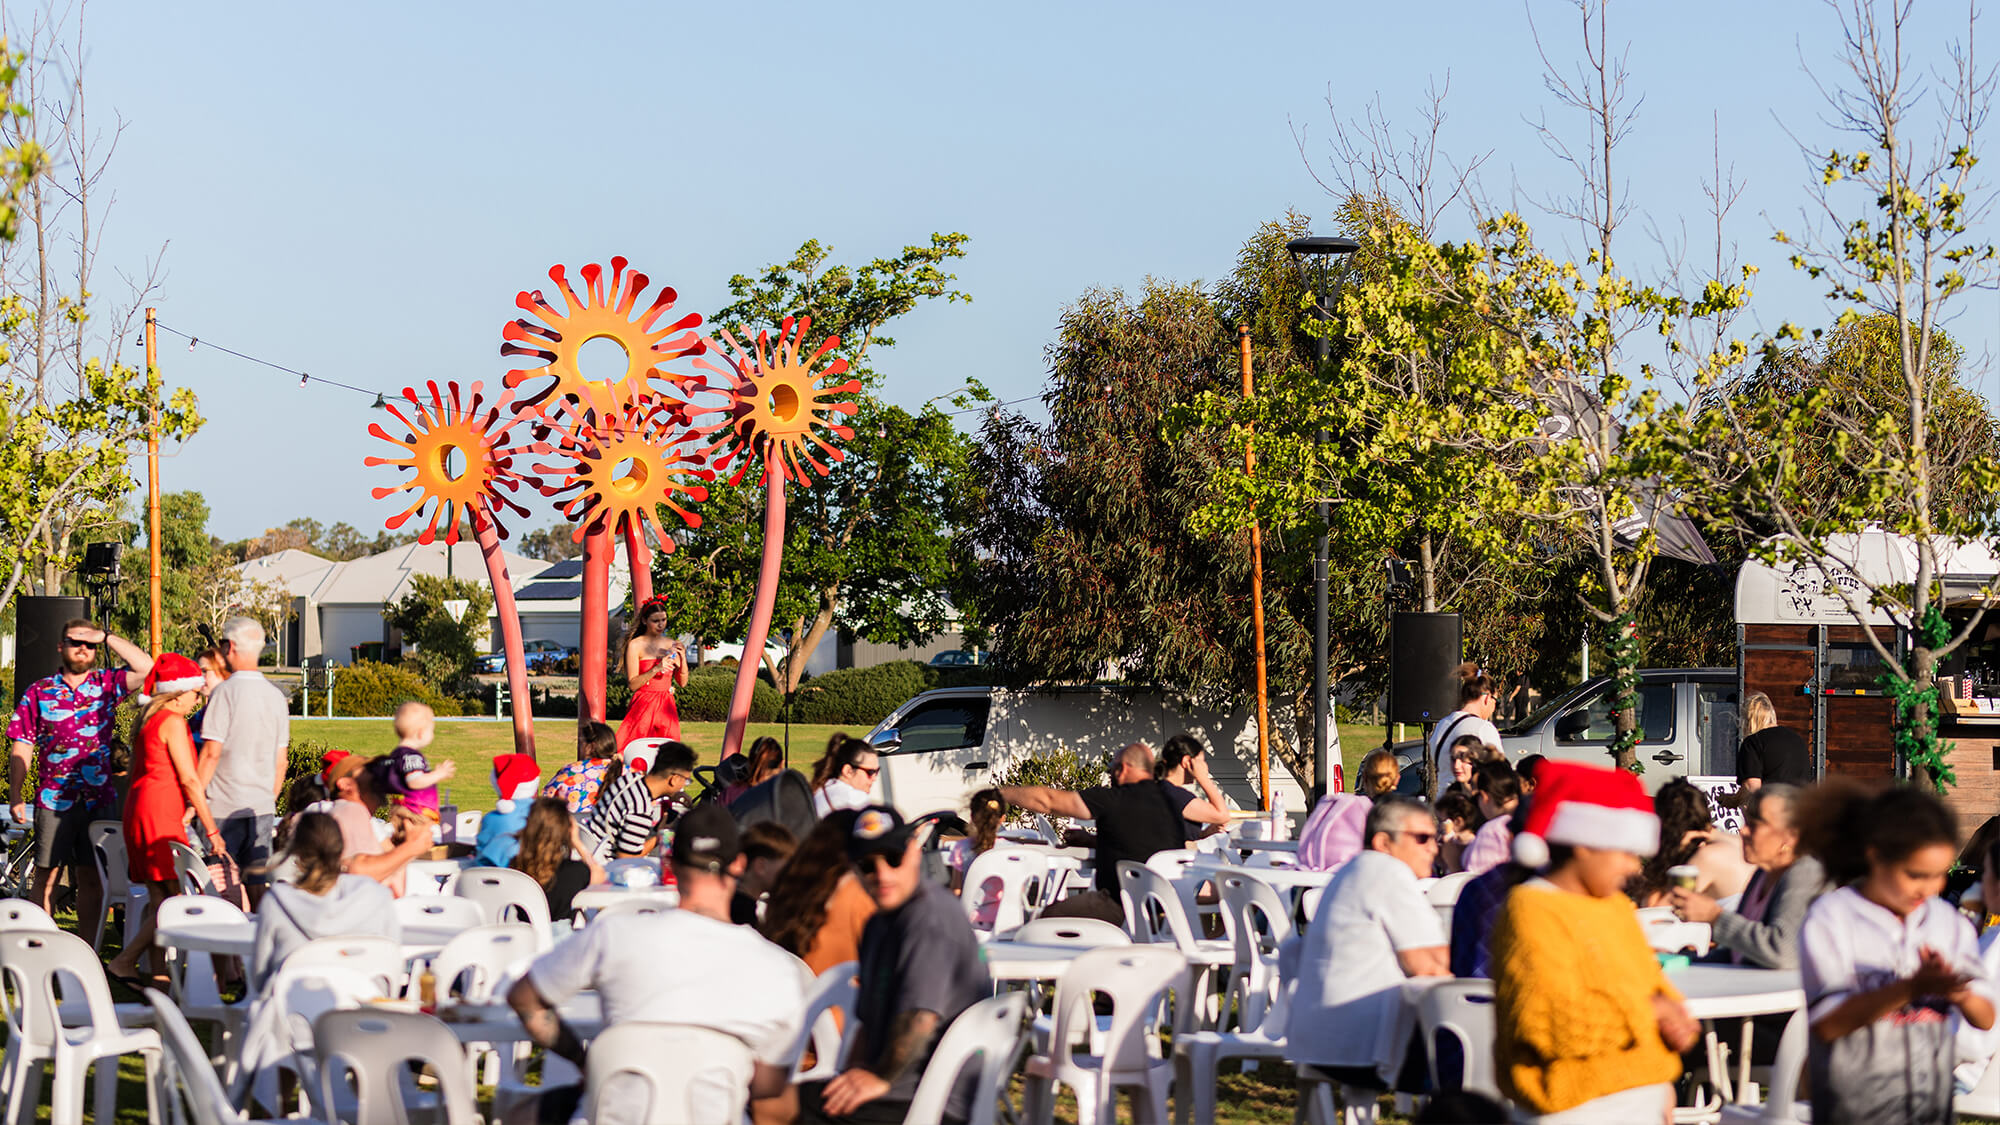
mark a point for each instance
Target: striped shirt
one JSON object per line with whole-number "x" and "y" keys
{"x": 624, "y": 817}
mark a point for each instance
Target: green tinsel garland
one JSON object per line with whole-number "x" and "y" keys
{"x": 1921, "y": 748}
{"x": 1625, "y": 679}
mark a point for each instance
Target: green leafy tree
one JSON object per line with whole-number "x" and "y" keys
{"x": 188, "y": 556}
{"x": 444, "y": 649}
{"x": 867, "y": 548}
{"x": 552, "y": 544}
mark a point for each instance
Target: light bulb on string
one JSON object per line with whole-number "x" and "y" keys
{"x": 192, "y": 341}
{"x": 303, "y": 377}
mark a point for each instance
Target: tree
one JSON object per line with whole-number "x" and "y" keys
{"x": 443, "y": 648}
{"x": 867, "y": 548}
{"x": 70, "y": 421}
{"x": 1896, "y": 271}
{"x": 187, "y": 556}
{"x": 551, "y": 544}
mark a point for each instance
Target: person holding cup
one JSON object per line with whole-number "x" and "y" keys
{"x": 1763, "y": 929}
{"x": 1688, "y": 838}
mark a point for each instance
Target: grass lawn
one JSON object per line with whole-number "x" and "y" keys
{"x": 472, "y": 743}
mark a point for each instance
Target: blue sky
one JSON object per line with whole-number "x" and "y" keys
{"x": 359, "y": 190}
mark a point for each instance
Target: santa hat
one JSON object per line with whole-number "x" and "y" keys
{"x": 171, "y": 673}
{"x": 638, "y": 752}
{"x": 1586, "y": 806}
{"x": 517, "y": 778}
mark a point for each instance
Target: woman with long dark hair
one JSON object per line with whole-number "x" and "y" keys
{"x": 654, "y": 665}
{"x": 1885, "y": 962}
{"x": 547, "y": 843}
{"x": 817, "y": 908}
{"x": 1688, "y": 838}
{"x": 1478, "y": 695}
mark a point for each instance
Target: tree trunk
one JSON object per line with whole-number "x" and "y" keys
{"x": 1428, "y": 561}
{"x": 806, "y": 641}
{"x": 1625, "y": 678}
{"x": 1923, "y": 719}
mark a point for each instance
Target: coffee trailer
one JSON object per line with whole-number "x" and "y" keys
{"x": 1797, "y": 642}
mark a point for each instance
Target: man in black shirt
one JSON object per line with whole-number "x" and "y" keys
{"x": 920, "y": 968}
{"x": 1134, "y": 820}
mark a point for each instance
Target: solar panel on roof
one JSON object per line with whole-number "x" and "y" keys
{"x": 539, "y": 591}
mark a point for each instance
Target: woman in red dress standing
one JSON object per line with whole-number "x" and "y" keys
{"x": 654, "y": 665}
{"x": 164, "y": 787}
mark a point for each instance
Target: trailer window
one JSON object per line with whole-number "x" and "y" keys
{"x": 943, "y": 724}
{"x": 1852, "y": 667}
{"x": 1716, "y": 726}
{"x": 1593, "y": 722}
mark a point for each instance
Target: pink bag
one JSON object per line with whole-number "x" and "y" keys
{"x": 228, "y": 880}
{"x": 1333, "y": 833}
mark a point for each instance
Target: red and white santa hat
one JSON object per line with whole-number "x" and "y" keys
{"x": 516, "y": 777}
{"x": 1586, "y": 806}
{"x": 171, "y": 673}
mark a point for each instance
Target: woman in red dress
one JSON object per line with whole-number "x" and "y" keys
{"x": 164, "y": 787}
{"x": 654, "y": 664}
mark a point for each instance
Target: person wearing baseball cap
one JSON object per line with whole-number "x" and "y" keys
{"x": 1588, "y": 1027}
{"x": 662, "y": 968}
{"x": 920, "y": 968}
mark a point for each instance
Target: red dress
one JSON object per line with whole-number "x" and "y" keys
{"x": 653, "y": 713}
{"x": 155, "y": 805}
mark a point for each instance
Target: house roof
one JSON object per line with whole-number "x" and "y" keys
{"x": 377, "y": 579}
{"x": 292, "y": 570}
{"x": 557, "y": 588}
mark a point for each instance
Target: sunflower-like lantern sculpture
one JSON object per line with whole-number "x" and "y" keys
{"x": 461, "y": 466}
{"x": 624, "y": 447}
{"x": 774, "y": 401}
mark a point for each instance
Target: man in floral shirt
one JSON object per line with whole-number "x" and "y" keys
{"x": 66, "y": 721}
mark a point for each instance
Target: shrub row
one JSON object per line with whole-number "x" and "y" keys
{"x": 368, "y": 688}
{"x": 861, "y": 696}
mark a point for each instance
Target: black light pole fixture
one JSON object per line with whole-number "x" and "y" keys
{"x": 1314, "y": 255}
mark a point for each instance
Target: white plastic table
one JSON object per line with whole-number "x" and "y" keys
{"x": 1015, "y": 960}
{"x": 1292, "y": 879}
{"x": 497, "y": 1023}
{"x": 239, "y": 939}
{"x": 1245, "y": 844}
{"x": 597, "y": 896}
{"x": 1717, "y": 992}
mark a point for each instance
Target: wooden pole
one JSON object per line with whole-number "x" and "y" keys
{"x": 153, "y": 482}
{"x": 1256, "y": 590}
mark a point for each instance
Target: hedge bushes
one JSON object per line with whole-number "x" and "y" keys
{"x": 368, "y": 688}
{"x": 705, "y": 697}
{"x": 857, "y": 696}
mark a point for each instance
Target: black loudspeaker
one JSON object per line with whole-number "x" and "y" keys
{"x": 38, "y": 625}
{"x": 1424, "y": 654}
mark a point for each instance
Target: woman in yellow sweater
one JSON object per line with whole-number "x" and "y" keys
{"x": 1588, "y": 1029}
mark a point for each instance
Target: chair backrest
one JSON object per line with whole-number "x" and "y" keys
{"x": 1133, "y": 977}
{"x": 53, "y": 975}
{"x": 1172, "y": 864}
{"x": 1154, "y": 910}
{"x": 1065, "y": 875}
{"x": 638, "y": 753}
{"x": 1464, "y": 1010}
{"x": 1445, "y": 891}
{"x": 637, "y": 904}
{"x": 471, "y": 964}
{"x": 364, "y": 1051}
{"x": 1021, "y": 874}
{"x": 683, "y": 1073}
{"x": 834, "y": 988}
{"x": 438, "y": 911}
{"x": 191, "y": 869}
{"x": 1046, "y": 829}
{"x": 433, "y": 876}
{"x": 192, "y": 971}
{"x": 107, "y": 844}
{"x": 989, "y": 1032}
{"x": 1088, "y": 933}
{"x": 206, "y": 1101}
{"x": 20, "y": 914}
{"x": 507, "y": 895}
{"x": 377, "y": 958}
{"x": 1259, "y": 921}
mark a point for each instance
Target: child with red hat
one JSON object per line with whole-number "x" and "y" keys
{"x": 1587, "y": 1026}
{"x": 516, "y": 778}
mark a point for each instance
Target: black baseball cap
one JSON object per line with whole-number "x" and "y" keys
{"x": 878, "y": 830}
{"x": 706, "y": 838}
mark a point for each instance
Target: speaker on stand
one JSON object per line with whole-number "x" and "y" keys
{"x": 38, "y": 629}
{"x": 1425, "y": 650}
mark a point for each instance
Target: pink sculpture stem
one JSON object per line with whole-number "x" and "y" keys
{"x": 641, "y": 558}
{"x": 596, "y": 624}
{"x": 760, "y": 609}
{"x": 488, "y": 535}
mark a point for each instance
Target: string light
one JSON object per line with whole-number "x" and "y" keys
{"x": 304, "y": 377}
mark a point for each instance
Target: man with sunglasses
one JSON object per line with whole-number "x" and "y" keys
{"x": 919, "y": 968}
{"x": 67, "y": 721}
{"x": 1373, "y": 930}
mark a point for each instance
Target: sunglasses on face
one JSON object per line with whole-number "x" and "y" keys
{"x": 871, "y": 771}
{"x": 895, "y": 860}
{"x": 74, "y": 643}
{"x": 1421, "y": 838}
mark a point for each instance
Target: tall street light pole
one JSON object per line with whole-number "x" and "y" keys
{"x": 1320, "y": 250}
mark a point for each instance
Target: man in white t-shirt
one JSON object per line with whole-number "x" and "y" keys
{"x": 688, "y": 966}
{"x": 1373, "y": 930}
{"x": 852, "y": 780}
{"x": 246, "y": 734}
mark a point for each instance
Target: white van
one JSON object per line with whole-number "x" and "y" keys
{"x": 940, "y": 747}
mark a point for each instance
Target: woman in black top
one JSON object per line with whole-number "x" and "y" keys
{"x": 549, "y": 847}
{"x": 1771, "y": 754}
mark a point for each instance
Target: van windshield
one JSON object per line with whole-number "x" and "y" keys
{"x": 1539, "y": 714}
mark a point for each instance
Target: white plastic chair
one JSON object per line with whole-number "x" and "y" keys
{"x": 188, "y": 1084}
{"x": 438, "y": 911}
{"x": 433, "y": 876}
{"x": 1021, "y": 874}
{"x": 20, "y": 914}
{"x": 646, "y": 904}
{"x": 507, "y": 895}
{"x": 1154, "y": 913}
{"x": 468, "y": 825}
{"x": 989, "y": 1033}
{"x": 1065, "y": 878}
{"x": 1198, "y": 1055}
{"x": 279, "y": 1035}
{"x": 362, "y": 1056}
{"x": 1464, "y": 1010}
{"x": 1134, "y": 978}
{"x": 1259, "y": 922}
{"x": 1443, "y": 894}
{"x": 1091, "y": 933}
{"x": 196, "y": 987}
{"x": 377, "y": 958}
{"x": 1781, "y": 1103}
{"x": 472, "y": 964}
{"x": 107, "y": 847}
{"x": 834, "y": 988}
{"x": 191, "y": 869}
{"x": 682, "y": 1073}
{"x": 36, "y": 965}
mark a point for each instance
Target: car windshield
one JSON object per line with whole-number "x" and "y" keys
{"x": 1535, "y": 717}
